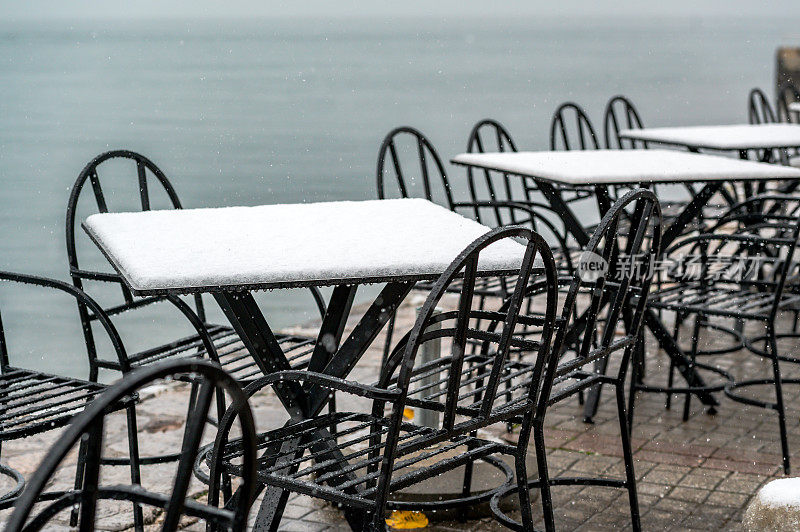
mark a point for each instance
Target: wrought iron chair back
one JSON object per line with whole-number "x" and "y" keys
{"x": 149, "y": 179}
{"x": 90, "y": 174}
{"x": 88, "y": 428}
{"x": 456, "y": 326}
{"x": 620, "y": 113}
{"x": 565, "y": 136}
{"x": 429, "y": 181}
{"x": 759, "y": 110}
{"x": 489, "y": 135}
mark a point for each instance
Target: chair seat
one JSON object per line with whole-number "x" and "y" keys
{"x": 300, "y": 456}
{"x": 718, "y": 299}
{"x": 34, "y": 402}
{"x": 233, "y": 355}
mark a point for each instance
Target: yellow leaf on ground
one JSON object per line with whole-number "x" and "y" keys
{"x": 406, "y": 520}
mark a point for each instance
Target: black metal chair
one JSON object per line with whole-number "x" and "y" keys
{"x": 600, "y": 319}
{"x": 359, "y": 459}
{"x": 230, "y": 352}
{"x": 34, "y": 402}
{"x": 396, "y": 180}
{"x": 571, "y": 129}
{"x": 760, "y": 111}
{"x": 489, "y": 135}
{"x": 620, "y": 113}
{"x": 86, "y": 430}
{"x": 563, "y": 136}
{"x": 738, "y": 270}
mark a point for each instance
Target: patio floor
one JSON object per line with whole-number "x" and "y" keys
{"x": 698, "y": 474}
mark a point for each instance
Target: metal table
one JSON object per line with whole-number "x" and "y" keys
{"x": 233, "y": 251}
{"x": 599, "y": 169}
{"x": 738, "y": 138}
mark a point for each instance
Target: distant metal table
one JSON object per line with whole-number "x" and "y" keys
{"x": 233, "y": 251}
{"x": 599, "y": 169}
{"x": 739, "y": 138}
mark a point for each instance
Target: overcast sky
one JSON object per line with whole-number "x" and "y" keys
{"x": 81, "y": 9}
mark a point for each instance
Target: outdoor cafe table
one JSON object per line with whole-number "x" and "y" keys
{"x": 736, "y": 137}
{"x": 599, "y": 169}
{"x": 230, "y": 252}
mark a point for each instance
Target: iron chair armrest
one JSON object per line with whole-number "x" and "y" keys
{"x": 81, "y": 297}
{"x": 326, "y": 381}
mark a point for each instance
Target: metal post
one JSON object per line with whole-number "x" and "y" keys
{"x": 430, "y": 351}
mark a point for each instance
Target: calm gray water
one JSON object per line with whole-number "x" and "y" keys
{"x": 254, "y": 112}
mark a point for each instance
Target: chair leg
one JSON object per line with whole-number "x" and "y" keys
{"x": 627, "y": 454}
{"x": 73, "y": 517}
{"x": 632, "y": 391}
{"x": 544, "y": 477}
{"x": 698, "y": 319}
{"x": 671, "y": 377}
{"x": 136, "y": 474}
{"x": 779, "y": 399}
{"x": 522, "y": 477}
{"x": 387, "y": 345}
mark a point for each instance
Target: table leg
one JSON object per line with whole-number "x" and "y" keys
{"x": 330, "y": 333}
{"x": 691, "y": 212}
{"x": 246, "y": 318}
{"x": 248, "y": 321}
{"x": 571, "y": 222}
{"x": 364, "y": 333}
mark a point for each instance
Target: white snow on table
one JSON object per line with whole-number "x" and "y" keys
{"x": 284, "y": 245}
{"x": 589, "y": 167}
{"x": 781, "y": 492}
{"x": 794, "y": 106}
{"x": 728, "y": 137}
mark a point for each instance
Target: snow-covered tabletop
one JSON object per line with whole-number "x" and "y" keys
{"x": 279, "y": 246}
{"x": 729, "y": 137}
{"x": 598, "y": 167}
{"x": 794, "y": 106}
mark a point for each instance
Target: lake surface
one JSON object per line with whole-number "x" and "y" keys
{"x": 268, "y": 111}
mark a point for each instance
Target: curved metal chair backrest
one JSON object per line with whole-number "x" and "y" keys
{"x": 787, "y": 93}
{"x": 489, "y": 135}
{"x": 90, "y": 173}
{"x": 458, "y": 326}
{"x": 620, "y": 113}
{"x": 430, "y": 174}
{"x": 87, "y": 429}
{"x": 80, "y": 296}
{"x": 759, "y": 110}
{"x": 614, "y": 271}
{"x": 563, "y": 137}
{"x": 148, "y": 175}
